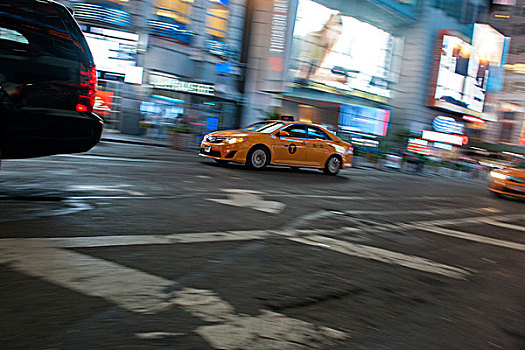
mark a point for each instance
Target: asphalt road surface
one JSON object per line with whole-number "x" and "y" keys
{"x": 139, "y": 247}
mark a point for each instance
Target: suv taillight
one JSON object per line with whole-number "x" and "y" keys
{"x": 88, "y": 88}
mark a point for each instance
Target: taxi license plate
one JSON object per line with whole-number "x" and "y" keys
{"x": 207, "y": 149}
{"x": 517, "y": 188}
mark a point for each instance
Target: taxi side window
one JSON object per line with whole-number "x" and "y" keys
{"x": 317, "y": 134}
{"x": 297, "y": 131}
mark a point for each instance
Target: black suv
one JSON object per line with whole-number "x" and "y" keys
{"x": 47, "y": 82}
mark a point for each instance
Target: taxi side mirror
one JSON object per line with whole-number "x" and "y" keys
{"x": 283, "y": 133}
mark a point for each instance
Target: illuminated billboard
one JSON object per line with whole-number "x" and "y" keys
{"x": 339, "y": 52}
{"x": 112, "y": 50}
{"x": 364, "y": 119}
{"x": 462, "y": 70}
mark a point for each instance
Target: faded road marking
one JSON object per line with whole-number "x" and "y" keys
{"x": 384, "y": 256}
{"x": 504, "y": 225}
{"x": 131, "y": 289}
{"x": 140, "y": 292}
{"x": 270, "y": 330}
{"x": 472, "y": 237}
{"x": 157, "y": 335}
{"x": 249, "y": 199}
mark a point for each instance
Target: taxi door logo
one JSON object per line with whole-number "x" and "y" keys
{"x": 292, "y": 148}
{"x": 103, "y": 101}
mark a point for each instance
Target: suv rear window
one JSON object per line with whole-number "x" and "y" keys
{"x": 37, "y": 28}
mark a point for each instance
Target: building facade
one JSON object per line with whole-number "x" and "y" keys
{"x": 508, "y": 102}
{"x": 165, "y": 63}
{"x": 369, "y": 68}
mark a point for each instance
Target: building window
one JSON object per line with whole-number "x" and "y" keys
{"x": 177, "y": 11}
{"x": 217, "y": 19}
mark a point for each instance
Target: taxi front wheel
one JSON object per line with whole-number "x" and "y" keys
{"x": 333, "y": 165}
{"x": 257, "y": 158}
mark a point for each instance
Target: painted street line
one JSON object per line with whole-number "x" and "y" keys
{"x": 323, "y": 214}
{"x": 504, "y": 225}
{"x": 128, "y": 288}
{"x": 384, "y": 256}
{"x": 249, "y": 199}
{"x": 106, "y": 188}
{"x": 302, "y": 236}
{"x": 158, "y": 335}
{"x": 469, "y": 220}
{"x": 111, "y": 158}
{"x": 405, "y": 226}
{"x": 126, "y": 240}
{"x": 415, "y": 211}
{"x": 140, "y": 292}
{"x": 472, "y": 237}
{"x": 380, "y": 198}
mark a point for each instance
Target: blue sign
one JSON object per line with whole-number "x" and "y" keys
{"x": 224, "y": 68}
{"x": 170, "y": 30}
{"x": 497, "y": 73}
{"x": 212, "y": 123}
{"x": 447, "y": 125}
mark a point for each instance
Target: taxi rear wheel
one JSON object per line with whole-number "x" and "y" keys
{"x": 333, "y": 165}
{"x": 258, "y": 158}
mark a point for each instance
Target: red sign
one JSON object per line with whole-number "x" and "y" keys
{"x": 419, "y": 146}
{"x": 276, "y": 64}
{"x": 472, "y": 119}
{"x": 522, "y": 140}
{"x": 103, "y": 100}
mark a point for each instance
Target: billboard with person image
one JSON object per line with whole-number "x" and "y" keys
{"x": 340, "y": 52}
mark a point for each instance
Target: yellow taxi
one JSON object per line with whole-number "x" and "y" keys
{"x": 509, "y": 181}
{"x": 278, "y": 142}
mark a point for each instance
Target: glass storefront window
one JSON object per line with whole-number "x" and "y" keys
{"x": 217, "y": 20}
{"x": 174, "y": 10}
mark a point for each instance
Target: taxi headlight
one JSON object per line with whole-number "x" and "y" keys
{"x": 339, "y": 149}
{"x": 233, "y": 140}
{"x": 498, "y": 175}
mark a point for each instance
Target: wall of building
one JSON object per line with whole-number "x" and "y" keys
{"x": 410, "y": 97}
{"x": 510, "y": 101}
{"x": 189, "y": 62}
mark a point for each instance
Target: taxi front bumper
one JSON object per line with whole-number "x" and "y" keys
{"x": 224, "y": 151}
{"x": 506, "y": 187}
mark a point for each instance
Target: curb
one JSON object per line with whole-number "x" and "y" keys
{"x": 133, "y": 142}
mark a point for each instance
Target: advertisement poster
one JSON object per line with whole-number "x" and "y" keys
{"x": 339, "y": 51}
{"x": 364, "y": 119}
{"x": 463, "y": 69}
{"x": 111, "y": 53}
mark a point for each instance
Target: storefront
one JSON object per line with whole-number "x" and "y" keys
{"x": 174, "y": 104}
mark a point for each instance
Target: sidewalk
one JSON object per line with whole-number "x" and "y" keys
{"x": 116, "y": 136}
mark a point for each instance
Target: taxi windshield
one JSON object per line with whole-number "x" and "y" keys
{"x": 265, "y": 127}
{"x": 520, "y": 165}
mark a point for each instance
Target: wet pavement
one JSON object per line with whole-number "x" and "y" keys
{"x": 138, "y": 247}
